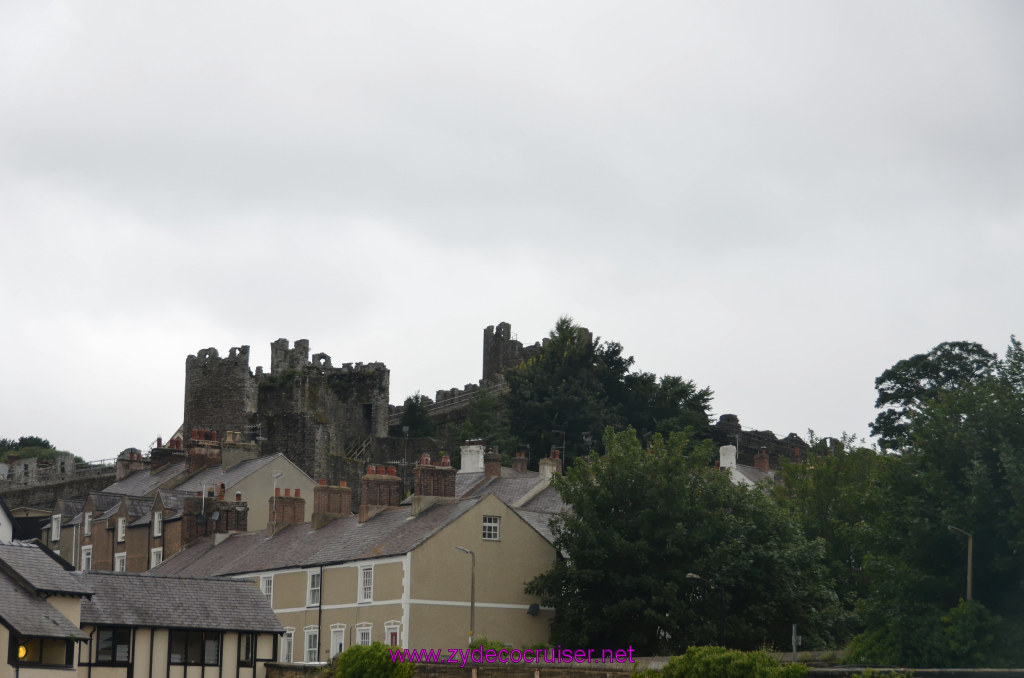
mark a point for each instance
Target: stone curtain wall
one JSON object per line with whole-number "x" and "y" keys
{"x": 46, "y": 496}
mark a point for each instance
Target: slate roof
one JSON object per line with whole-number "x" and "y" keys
{"x": 752, "y": 474}
{"x": 230, "y": 477}
{"x": 30, "y": 615}
{"x": 101, "y": 502}
{"x": 68, "y": 509}
{"x": 26, "y": 571}
{"x": 154, "y": 601}
{"x": 547, "y": 501}
{"x": 391, "y": 532}
{"x": 141, "y": 483}
{"x": 38, "y": 569}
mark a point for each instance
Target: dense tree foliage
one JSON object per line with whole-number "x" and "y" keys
{"x": 957, "y": 416}
{"x": 577, "y": 385}
{"x": 907, "y": 386}
{"x": 842, "y": 494}
{"x": 28, "y": 447}
{"x": 24, "y": 442}
{"x": 644, "y": 519}
{"x": 416, "y": 417}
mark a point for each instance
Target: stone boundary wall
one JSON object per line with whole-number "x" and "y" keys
{"x": 45, "y": 496}
{"x": 621, "y": 671}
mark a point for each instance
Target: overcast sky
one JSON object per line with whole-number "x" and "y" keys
{"x": 777, "y": 200}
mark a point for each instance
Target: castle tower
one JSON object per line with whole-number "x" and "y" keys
{"x": 220, "y": 393}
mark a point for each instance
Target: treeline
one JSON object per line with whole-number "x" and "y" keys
{"x": 863, "y": 548}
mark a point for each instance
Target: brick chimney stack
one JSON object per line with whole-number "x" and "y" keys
{"x": 761, "y": 461}
{"x": 202, "y": 517}
{"x": 130, "y": 461}
{"x": 433, "y": 483}
{"x": 286, "y": 510}
{"x": 381, "y": 488}
{"x": 519, "y": 462}
{"x": 492, "y": 463}
{"x": 552, "y": 465}
{"x": 330, "y": 502}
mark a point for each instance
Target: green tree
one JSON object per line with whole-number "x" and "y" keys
{"x": 843, "y": 494}
{"x": 642, "y": 520}
{"x": 907, "y": 386}
{"x": 576, "y": 385}
{"x": 962, "y": 465}
{"x": 416, "y": 416}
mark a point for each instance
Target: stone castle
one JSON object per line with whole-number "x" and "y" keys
{"x": 330, "y": 420}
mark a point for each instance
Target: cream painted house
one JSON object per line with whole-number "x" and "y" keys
{"x": 104, "y": 625}
{"x": 399, "y": 574}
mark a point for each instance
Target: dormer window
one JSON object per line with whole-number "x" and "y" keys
{"x": 87, "y": 523}
{"x": 121, "y": 528}
{"x": 55, "y": 527}
{"x": 158, "y": 523}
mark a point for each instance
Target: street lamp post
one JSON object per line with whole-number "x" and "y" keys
{"x": 721, "y": 599}
{"x": 472, "y": 591}
{"x": 970, "y": 555}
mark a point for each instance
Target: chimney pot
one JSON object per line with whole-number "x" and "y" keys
{"x": 371, "y": 470}
{"x": 391, "y": 470}
{"x": 343, "y": 483}
{"x": 238, "y": 496}
{"x": 277, "y": 491}
{"x": 381, "y": 471}
{"x": 287, "y": 491}
{"x": 323, "y": 481}
{"x": 297, "y": 490}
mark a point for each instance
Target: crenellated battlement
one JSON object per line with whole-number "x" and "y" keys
{"x": 238, "y": 356}
{"x": 285, "y": 359}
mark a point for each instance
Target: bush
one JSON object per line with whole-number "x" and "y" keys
{"x": 370, "y": 661}
{"x": 487, "y": 644}
{"x": 720, "y": 662}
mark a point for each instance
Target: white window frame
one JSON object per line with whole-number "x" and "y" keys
{"x": 267, "y": 587}
{"x": 122, "y": 524}
{"x": 365, "y": 593}
{"x": 156, "y": 556}
{"x": 314, "y": 583}
{"x": 87, "y": 523}
{"x": 86, "y": 562}
{"x": 393, "y": 626}
{"x": 367, "y": 629}
{"x": 121, "y": 562}
{"x": 337, "y": 639}
{"x": 55, "y": 527}
{"x": 491, "y": 528}
{"x": 311, "y": 652}
{"x": 287, "y": 645}
{"x": 158, "y": 523}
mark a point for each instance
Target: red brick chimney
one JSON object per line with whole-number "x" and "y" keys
{"x": 433, "y": 483}
{"x": 381, "y": 488}
{"x": 492, "y": 463}
{"x": 203, "y": 516}
{"x": 330, "y": 502}
{"x": 286, "y": 510}
{"x": 519, "y": 462}
{"x": 762, "y": 462}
